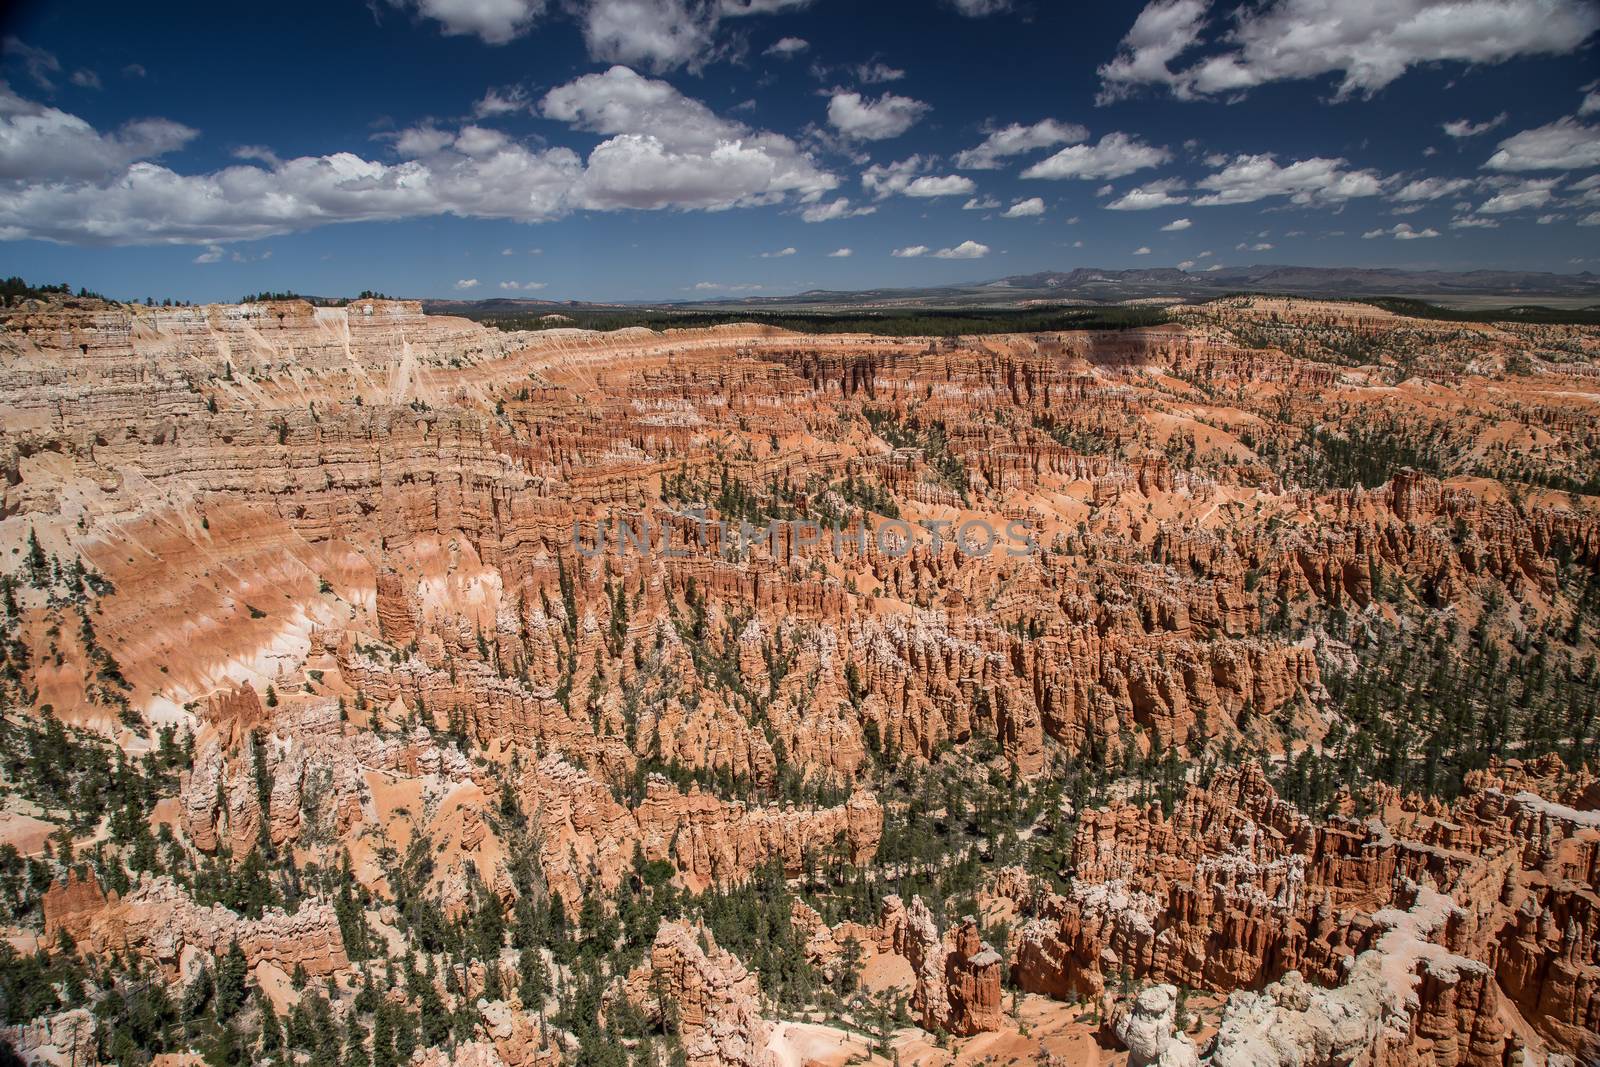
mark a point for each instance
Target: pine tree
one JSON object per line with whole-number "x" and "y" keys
{"x": 533, "y": 981}
{"x": 435, "y": 1019}
{"x": 383, "y": 1050}
{"x": 405, "y": 1034}
{"x": 355, "y": 1046}
{"x": 269, "y": 1041}
{"x": 36, "y": 561}
{"x": 232, "y": 971}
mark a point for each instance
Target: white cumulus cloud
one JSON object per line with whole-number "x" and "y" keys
{"x": 877, "y": 72}
{"x": 1247, "y": 179}
{"x": 1024, "y": 209}
{"x": 1401, "y": 231}
{"x": 910, "y": 251}
{"x": 37, "y": 141}
{"x": 1431, "y": 189}
{"x": 906, "y": 179}
{"x": 1565, "y": 144}
{"x": 834, "y": 209}
{"x": 61, "y": 180}
{"x": 1589, "y": 187}
{"x": 1163, "y": 193}
{"x": 640, "y": 171}
{"x": 1467, "y": 128}
{"x": 1115, "y": 155}
{"x": 492, "y": 21}
{"x": 506, "y": 101}
{"x": 1369, "y": 44}
{"x": 944, "y": 185}
{"x": 1519, "y": 196}
{"x": 1175, "y": 225}
{"x": 659, "y": 34}
{"x": 1164, "y": 30}
{"x": 666, "y": 149}
{"x": 964, "y": 250}
{"x": 1017, "y": 139}
{"x": 861, "y": 119}
{"x": 149, "y": 204}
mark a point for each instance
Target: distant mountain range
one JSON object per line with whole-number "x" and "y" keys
{"x": 1367, "y": 280}
{"x": 501, "y": 305}
{"x": 1096, "y": 285}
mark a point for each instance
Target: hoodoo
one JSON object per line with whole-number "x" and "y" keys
{"x": 1234, "y": 747}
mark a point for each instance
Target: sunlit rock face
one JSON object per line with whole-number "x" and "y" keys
{"x": 1013, "y": 696}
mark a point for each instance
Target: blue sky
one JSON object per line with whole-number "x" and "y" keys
{"x": 684, "y": 149}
